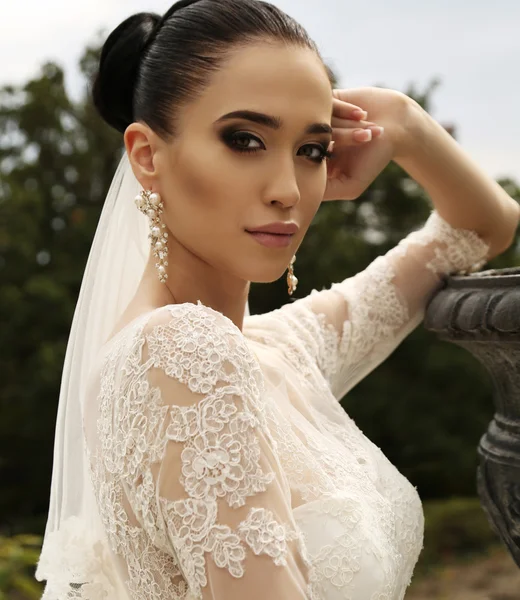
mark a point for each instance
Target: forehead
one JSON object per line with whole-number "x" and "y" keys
{"x": 286, "y": 81}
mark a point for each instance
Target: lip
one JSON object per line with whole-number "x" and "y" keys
{"x": 272, "y": 240}
{"x": 279, "y": 228}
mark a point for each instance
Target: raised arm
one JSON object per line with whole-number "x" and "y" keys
{"x": 349, "y": 329}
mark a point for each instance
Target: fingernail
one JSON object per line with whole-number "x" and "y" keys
{"x": 363, "y": 135}
{"x": 360, "y": 114}
{"x": 378, "y": 128}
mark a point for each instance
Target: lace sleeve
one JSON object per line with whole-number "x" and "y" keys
{"x": 203, "y": 478}
{"x": 349, "y": 329}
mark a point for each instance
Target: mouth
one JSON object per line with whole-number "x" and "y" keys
{"x": 272, "y": 240}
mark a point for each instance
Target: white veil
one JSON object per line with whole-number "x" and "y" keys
{"x": 74, "y": 558}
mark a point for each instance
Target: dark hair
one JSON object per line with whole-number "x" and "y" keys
{"x": 151, "y": 65}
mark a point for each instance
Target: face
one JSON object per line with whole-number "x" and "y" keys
{"x": 223, "y": 175}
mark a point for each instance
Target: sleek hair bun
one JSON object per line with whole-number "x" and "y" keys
{"x": 113, "y": 88}
{"x": 152, "y": 66}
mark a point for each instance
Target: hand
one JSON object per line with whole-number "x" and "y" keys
{"x": 355, "y": 164}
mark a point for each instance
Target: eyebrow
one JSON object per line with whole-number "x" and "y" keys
{"x": 270, "y": 121}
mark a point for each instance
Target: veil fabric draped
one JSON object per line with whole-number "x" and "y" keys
{"x": 74, "y": 546}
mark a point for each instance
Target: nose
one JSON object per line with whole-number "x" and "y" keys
{"x": 283, "y": 186}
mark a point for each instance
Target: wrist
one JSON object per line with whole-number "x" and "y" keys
{"x": 414, "y": 127}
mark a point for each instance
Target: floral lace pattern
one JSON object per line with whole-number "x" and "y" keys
{"x": 217, "y": 469}
{"x": 85, "y": 558}
{"x": 210, "y": 428}
{"x": 381, "y": 304}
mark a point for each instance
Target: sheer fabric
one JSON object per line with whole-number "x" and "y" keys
{"x": 224, "y": 466}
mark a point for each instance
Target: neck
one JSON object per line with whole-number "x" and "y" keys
{"x": 190, "y": 280}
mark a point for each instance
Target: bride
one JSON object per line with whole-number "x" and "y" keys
{"x": 201, "y": 452}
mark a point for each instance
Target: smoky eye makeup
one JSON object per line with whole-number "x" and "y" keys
{"x": 240, "y": 140}
{"x": 243, "y": 142}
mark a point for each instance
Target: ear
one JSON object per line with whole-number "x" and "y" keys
{"x": 141, "y": 145}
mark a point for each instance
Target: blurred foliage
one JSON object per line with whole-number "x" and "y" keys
{"x": 57, "y": 159}
{"x": 426, "y": 407}
{"x": 454, "y": 528}
{"x": 18, "y": 557}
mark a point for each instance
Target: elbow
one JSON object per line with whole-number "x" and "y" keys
{"x": 504, "y": 235}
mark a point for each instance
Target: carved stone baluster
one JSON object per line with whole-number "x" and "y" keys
{"x": 481, "y": 312}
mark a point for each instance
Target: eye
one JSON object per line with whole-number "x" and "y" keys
{"x": 238, "y": 141}
{"x": 321, "y": 152}
{"x": 242, "y": 142}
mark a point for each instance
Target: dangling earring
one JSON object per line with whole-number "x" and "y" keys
{"x": 292, "y": 282}
{"x": 149, "y": 203}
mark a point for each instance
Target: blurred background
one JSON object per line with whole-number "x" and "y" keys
{"x": 426, "y": 407}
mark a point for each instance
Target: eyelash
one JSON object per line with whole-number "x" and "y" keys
{"x": 231, "y": 136}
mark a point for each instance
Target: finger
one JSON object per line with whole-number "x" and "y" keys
{"x": 347, "y": 123}
{"x": 377, "y": 130}
{"x": 351, "y": 137}
{"x": 346, "y": 110}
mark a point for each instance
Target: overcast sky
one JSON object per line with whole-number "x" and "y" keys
{"x": 472, "y": 46}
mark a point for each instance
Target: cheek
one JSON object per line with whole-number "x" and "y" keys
{"x": 313, "y": 189}
{"x": 199, "y": 180}
{"x": 204, "y": 192}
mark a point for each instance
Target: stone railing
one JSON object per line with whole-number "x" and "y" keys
{"x": 481, "y": 312}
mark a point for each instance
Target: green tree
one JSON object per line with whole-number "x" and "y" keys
{"x": 57, "y": 159}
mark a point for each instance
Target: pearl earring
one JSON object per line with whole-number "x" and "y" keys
{"x": 292, "y": 281}
{"x": 149, "y": 203}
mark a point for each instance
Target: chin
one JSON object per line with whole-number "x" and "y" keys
{"x": 267, "y": 275}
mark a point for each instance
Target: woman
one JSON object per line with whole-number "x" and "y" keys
{"x": 202, "y": 453}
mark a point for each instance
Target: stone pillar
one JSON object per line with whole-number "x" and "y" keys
{"x": 481, "y": 312}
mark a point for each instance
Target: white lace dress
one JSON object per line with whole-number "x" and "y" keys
{"x": 223, "y": 464}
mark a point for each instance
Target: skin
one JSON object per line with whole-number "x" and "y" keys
{"x": 213, "y": 193}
